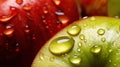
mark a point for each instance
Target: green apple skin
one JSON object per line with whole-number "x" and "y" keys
{"x": 94, "y": 42}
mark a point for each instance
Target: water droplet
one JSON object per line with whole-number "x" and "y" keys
{"x": 19, "y": 1}
{"x": 61, "y": 45}
{"x": 92, "y": 18}
{"x": 103, "y": 39}
{"x": 9, "y": 31}
{"x": 96, "y": 49}
{"x": 80, "y": 44}
{"x": 27, "y": 7}
{"x": 78, "y": 49}
{"x": 45, "y": 10}
{"x": 57, "y": 2}
{"x": 64, "y": 19}
{"x": 110, "y": 61}
{"x": 74, "y": 30}
{"x": 41, "y": 57}
{"x": 101, "y": 31}
{"x": 52, "y": 59}
{"x": 59, "y": 12}
{"x": 17, "y": 49}
{"x": 82, "y": 37}
{"x": 75, "y": 60}
{"x": 13, "y": 12}
{"x": 110, "y": 50}
{"x": 27, "y": 30}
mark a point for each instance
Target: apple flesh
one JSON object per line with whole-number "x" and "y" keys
{"x": 25, "y": 25}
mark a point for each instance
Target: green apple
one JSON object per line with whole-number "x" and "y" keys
{"x": 90, "y": 42}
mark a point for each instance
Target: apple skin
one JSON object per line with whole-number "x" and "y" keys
{"x": 94, "y": 7}
{"x": 25, "y": 25}
{"x": 90, "y": 42}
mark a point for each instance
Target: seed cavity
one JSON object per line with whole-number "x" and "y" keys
{"x": 61, "y": 45}
{"x": 75, "y": 60}
{"x": 74, "y": 30}
{"x": 96, "y": 49}
{"x": 101, "y": 31}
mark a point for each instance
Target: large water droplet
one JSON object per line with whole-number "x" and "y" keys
{"x": 82, "y": 37}
{"x": 75, "y": 60}
{"x": 27, "y": 7}
{"x": 19, "y": 1}
{"x": 8, "y": 32}
{"x": 57, "y": 2}
{"x": 101, "y": 31}
{"x": 61, "y": 45}
{"x": 96, "y": 49}
{"x": 74, "y": 30}
{"x": 13, "y": 12}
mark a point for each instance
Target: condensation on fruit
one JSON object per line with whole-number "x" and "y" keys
{"x": 61, "y": 45}
{"x": 101, "y": 31}
{"x": 52, "y": 59}
{"x": 27, "y": 7}
{"x": 19, "y": 2}
{"x": 75, "y": 60}
{"x": 82, "y": 37}
{"x": 80, "y": 44}
{"x": 8, "y": 32}
{"x": 57, "y": 2}
{"x": 103, "y": 39}
{"x": 74, "y": 30}
{"x": 8, "y": 17}
{"x": 96, "y": 49}
{"x": 45, "y": 9}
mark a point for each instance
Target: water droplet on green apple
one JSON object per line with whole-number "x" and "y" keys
{"x": 74, "y": 30}
{"x": 103, "y": 39}
{"x": 75, "y": 60}
{"x": 61, "y": 45}
{"x": 80, "y": 44}
{"x": 96, "y": 49}
{"x": 52, "y": 59}
{"x": 82, "y": 37}
{"x": 101, "y": 31}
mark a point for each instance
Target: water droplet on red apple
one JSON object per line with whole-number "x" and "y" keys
{"x": 19, "y": 1}
{"x": 64, "y": 19}
{"x": 45, "y": 10}
{"x": 9, "y": 31}
{"x": 27, "y": 30}
{"x": 57, "y": 2}
{"x": 27, "y": 7}
{"x": 12, "y": 13}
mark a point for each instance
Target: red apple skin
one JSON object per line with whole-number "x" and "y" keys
{"x": 94, "y": 7}
{"x": 25, "y": 25}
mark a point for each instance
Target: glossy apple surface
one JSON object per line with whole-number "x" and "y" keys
{"x": 25, "y": 25}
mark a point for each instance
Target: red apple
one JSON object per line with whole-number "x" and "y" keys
{"x": 94, "y": 7}
{"x": 25, "y": 25}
